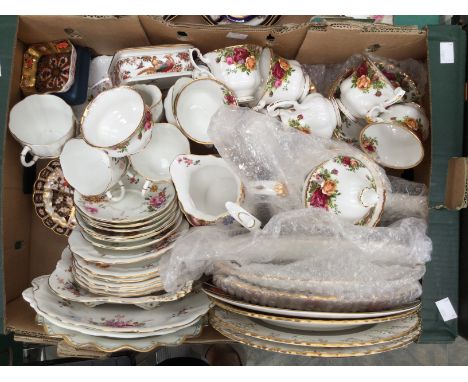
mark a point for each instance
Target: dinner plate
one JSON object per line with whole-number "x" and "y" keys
{"x": 219, "y": 294}
{"x": 64, "y": 285}
{"x": 361, "y": 336}
{"x": 79, "y": 340}
{"x": 82, "y": 248}
{"x": 180, "y": 227}
{"x": 121, "y": 318}
{"x": 134, "y": 207}
{"x": 316, "y": 351}
{"x": 309, "y": 324}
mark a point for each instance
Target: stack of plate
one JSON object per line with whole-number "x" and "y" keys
{"x": 131, "y": 228}
{"x": 111, "y": 327}
{"x": 313, "y": 333}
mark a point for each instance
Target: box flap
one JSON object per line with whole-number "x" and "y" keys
{"x": 456, "y": 189}
{"x": 115, "y": 32}
{"x": 286, "y": 40}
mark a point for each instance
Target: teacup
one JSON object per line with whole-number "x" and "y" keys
{"x": 42, "y": 124}
{"x": 315, "y": 115}
{"x": 171, "y": 96}
{"x": 282, "y": 80}
{"x": 204, "y": 184}
{"x": 154, "y": 160}
{"x": 410, "y": 114}
{"x": 91, "y": 171}
{"x": 366, "y": 88}
{"x": 392, "y": 145}
{"x": 236, "y": 66}
{"x": 195, "y": 104}
{"x": 118, "y": 122}
{"x": 153, "y": 99}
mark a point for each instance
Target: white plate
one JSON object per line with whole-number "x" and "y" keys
{"x": 361, "y": 336}
{"x": 63, "y": 284}
{"x": 180, "y": 227}
{"x": 122, "y": 318}
{"x": 134, "y": 207}
{"x": 218, "y": 294}
{"x": 316, "y": 351}
{"x": 79, "y": 340}
{"x": 84, "y": 249}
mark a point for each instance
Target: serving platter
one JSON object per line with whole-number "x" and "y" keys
{"x": 219, "y": 294}
{"x": 354, "y": 337}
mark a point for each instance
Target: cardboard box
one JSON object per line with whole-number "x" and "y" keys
{"x": 29, "y": 249}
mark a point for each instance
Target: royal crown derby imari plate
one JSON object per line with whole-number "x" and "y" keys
{"x": 134, "y": 207}
{"x": 219, "y": 294}
{"x": 127, "y": 236}
{"x": 82, "y": 248}
{"x": 109, "y": 345}
{"x": 28, "y": 295}
{"x": 154, "y": 223}
{"x": 348, "y": 187}
{"x": 143, "y": 268}
{"x": 308, "y": 324}
{"x": 53, "y": 199}
{"x": 316, "y": 351}
{"x": 63, "y": 284}
{"x": 122, "y": 318}
{"x": 361, "y": 336}
{"x": 180, "y": 227}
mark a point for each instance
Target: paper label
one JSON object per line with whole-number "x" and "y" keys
{"x": 446, "y": 309}
{"x": 447, "y": 53}
{"x": 237, "y": 36}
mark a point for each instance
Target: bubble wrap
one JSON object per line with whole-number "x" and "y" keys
{"x": 302, "y": 252}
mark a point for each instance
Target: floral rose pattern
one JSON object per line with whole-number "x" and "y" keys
{"x": 130, "y": 67}
{"x": 188, "y": 162}
{"x": 118, "y": 321}
{"x": 323, "y": 189}
{"x": 366, "y": 78}
{"x": 415, "y": 125}
{"x": 350, "y": 163}
{"x": 155, "y": 202}
{"x": 229, "y": 98}
{"x": 279, "y": 76}
{"x": 369, "y": 143}
{"x": 297, "y": 123}
{"x": 241, "y": 58}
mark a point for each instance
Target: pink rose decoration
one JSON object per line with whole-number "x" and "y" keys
{"x": 278, "y": 71}
{"x": 319, "y": 199}
{"x": 157, "y": 200}
{"x": 229, "y": 60}
{"x": 240, "y": 55}
{"x": 278, "y": 83}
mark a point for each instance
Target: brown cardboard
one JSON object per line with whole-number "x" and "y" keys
{"x": 115, "y": 32}
{"x": 320, "y": 44}
{"x": 456, "y": 196}
{"x": 283, "y": 20}
{"x": 285, "y": 40}
{"x": 312, "y": 44}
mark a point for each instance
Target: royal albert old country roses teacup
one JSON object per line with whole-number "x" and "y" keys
{"x": 154, "y": 160}
{"x": 282, "y": 80}
{"x": 118, "y": 122}
{"x": 42, "y": 124}
{"x": 366, "y": 88}
{"x": 91, "y": 171}
{"x": 409, "y": 114}
{"x": 315, "y": 115}
{"x": 204, "y": 184}
{"x": 235, "y": 66}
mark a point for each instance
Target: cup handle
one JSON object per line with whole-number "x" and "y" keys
{"x": 243, "y": 217}
{"x": 27, "y": 149}
{"x": 372, "y": 114}
{"x": 203, "y": 59}
{"x": 272, "y": 109}
{"x": 398, "y": 94}
{"x": 261, "y": 104}
{"x": 146, "y": 187}
{"x": 268, "y": 188}
{"x": 117, "y": 198}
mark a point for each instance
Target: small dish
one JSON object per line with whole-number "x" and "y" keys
{"x": 53, "y": 199}
{"x": 48, "y": 68}
{"x": 392, "y": 145}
